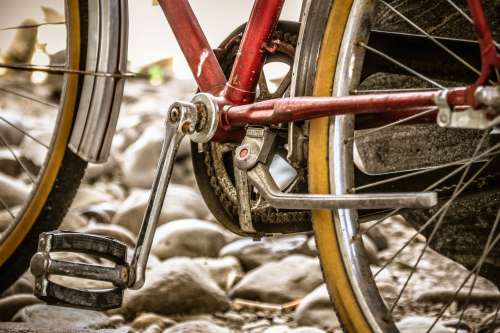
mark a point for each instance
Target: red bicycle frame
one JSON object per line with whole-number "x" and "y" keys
{"x": 236, "y": 95}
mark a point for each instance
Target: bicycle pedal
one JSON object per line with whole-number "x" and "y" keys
{"x": 43, "y": 266}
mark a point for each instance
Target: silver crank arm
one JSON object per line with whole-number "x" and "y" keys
{"x": 260, "y": 177}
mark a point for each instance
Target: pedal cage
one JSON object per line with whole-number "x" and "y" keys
{"x": 43, "y": 266}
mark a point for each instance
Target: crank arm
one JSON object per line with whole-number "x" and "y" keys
{"x": 169, "y": 149}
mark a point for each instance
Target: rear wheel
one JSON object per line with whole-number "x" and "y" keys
{"x": 56, "y": 173}
{"x": 363, "y": 50}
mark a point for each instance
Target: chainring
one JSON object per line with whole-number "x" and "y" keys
{"x": 213, "y": 165}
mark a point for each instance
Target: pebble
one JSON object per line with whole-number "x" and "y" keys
{"x": 281, "y": 281}
{"x": 188, "y": 238}
{"x": 197, "y": 326}
{"x": 255, "y": 253}
{"x": 181, "y": 202}
{"x": 225, "y": 271}
{"x": 10, "y": 305}
{"x": 12, "y": 191}
{"x": 176, "y": 286}
{"x": 316, "y": 309}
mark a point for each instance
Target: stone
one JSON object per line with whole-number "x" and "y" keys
{"x": 316, "y": 309}
{"x": 181, "y": 202}
{"x": 418, "y": 324}
{"x": 10, "y": 305}
{"x": 176, "y": 286}
{"x": 8, "y": 163}
{"x": 371, "y": 251}
{"x": 140, "y": 159}
{"x": 6, "y": 218}
{"x": 23, "y": 285}
{"x": 101, "y": 212}
{"x": 197, "y": 326}
{"x": 34, "y": 151}
{"x": 306, "y": 329}
{"x": 9, "y": 134}
{"x": 255, "y": 253}
{"x": 87, "y": 196}
{"x": 188, "y": 238}
{"x": 23, "y": 46}
{"x": 376, "y": 235}
{"x": 111, "y": 230}
{"x": 73, "y": 222}
{"x": 13, "y": 192}
{"x": 225, "y": 271}
{"x": 95, "y": 171}
{"x": 281, "y": 281}
{"x": 144, "y": 320}
{"x": 47, "y": 315}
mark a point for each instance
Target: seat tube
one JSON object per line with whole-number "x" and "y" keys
{"x": 240, "y": 89}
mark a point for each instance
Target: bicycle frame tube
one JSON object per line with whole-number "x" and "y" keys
{"x": 236, "y": 95}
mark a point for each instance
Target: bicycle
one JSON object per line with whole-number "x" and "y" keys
{"x": 421, "y": 127}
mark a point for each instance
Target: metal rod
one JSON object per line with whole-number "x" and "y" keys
{"x": 198, "y": 53}
{"x": 169, "y": 149}
{"x": 240, "y": 88}
{"x": 303, "y": 108}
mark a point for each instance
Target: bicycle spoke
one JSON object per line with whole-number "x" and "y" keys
{"x": 434, "y": 40}
{"x": 474, "y": 280}
{"x": 485, "y": 253}
{"x": 431, "y": 219}
{"x": 398, "y": 122}
{"x": 33, "y": 99}
{"x": 438, "y": 224}
{"x": 460, "y": 11}
{"x": 30, "y": 26}
{"x": 6, "y": 207}
{"x": 24, "y": 132}
{"x": 6, "y": 144}
{"x": 403, "y": 66}
{"x": 60, "y": 70}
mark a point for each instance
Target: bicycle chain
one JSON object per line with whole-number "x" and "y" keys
{"x": 287, "y": 42}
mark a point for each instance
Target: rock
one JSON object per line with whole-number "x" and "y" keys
{"x": 277, "y": 329}
{"x": 12, "y": 191}
{"x": 46, "y": 315}
{"x": 6, "y": 217}
{"x": 111, "y": 230}
{"x": 141, "y": 158}
{"x": 225, "y": 271}
{"x": 306, "y": 329}
{"x": 197, "y": 326}
{"x": 8, "y": 163}
{"x": 101, "y": 212}
{"x": 255, "y": 253}
{"x": 52, "y": 15}
{"x": 278, "y": 282}
{"x": 88, "y": 196}
{"x": 176, "y": 286}
{"x": 144, "y": 320}
{"x": 188, "y": 238}
{"x": 34, "y": 151}
{"x": 181, "y": 202}
{"x": 95, "y": 171}
{"x": 23, "y": 285}
{"x": 73, "y": 222}
{"x": 10, "y": 305}
{"x": 316, "y": 309}
{"x": 417, "y": 324}
{"x": 376, "y": 235}
{"x": 311, "y": 245}
{"x": 9, "y": 134}
{"x": 23, "y": 46}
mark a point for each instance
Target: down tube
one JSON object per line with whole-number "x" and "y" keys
{"x": 240, "y": 88}
{"x": 200, "y": 57}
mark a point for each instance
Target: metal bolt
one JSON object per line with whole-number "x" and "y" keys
{"x": 443, "y": 118}
{"x": 174, "y": 114}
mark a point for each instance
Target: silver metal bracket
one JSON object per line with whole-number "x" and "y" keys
{"x": 484, "y": 118}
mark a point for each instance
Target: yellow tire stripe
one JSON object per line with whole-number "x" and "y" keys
{"x": 59, "y": 142}
{"x": 337, "y": 280}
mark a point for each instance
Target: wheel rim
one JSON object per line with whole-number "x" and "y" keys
{"x": 18, "y": 230}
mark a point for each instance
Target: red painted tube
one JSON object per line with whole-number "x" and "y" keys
{"x": 200, "y": 57}
{"x": 303, "y": 108}
{"x": 240, "y": 88}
